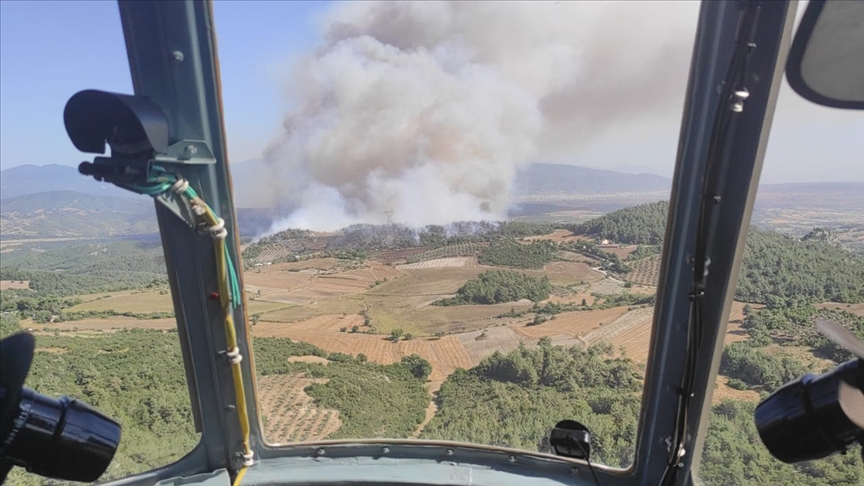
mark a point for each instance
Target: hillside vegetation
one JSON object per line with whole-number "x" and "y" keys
{"x": 525, "y": 392}
{"x": 781, "y": 270}
{"x": 136, "y": 377}
{"x": 795, "y": 326}
{"x": 777, "y": 270}
{"x": 75, "y": 215}
{"x": 638, "y": 225}
{"x": 85, "y": 268}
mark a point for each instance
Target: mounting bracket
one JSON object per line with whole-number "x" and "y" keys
{"x": 136, "y": 129}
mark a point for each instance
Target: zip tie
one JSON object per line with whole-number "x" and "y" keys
{"x": 180, "y": 186}
{"x": 248, "y": 458}
{"x": 218, "y": 231}
{"x": 234, "y": 355}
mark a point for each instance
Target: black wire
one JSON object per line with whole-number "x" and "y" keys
{"x": 705, "y": 230}
{"x": 588, "y": 461}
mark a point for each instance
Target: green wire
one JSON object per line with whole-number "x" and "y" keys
{"x": 159, "y": 186}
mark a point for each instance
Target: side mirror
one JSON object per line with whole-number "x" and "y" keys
{"x": 130, "y": 125}
{"x": 571, "y": 439}
{"x": 826, "y": 61}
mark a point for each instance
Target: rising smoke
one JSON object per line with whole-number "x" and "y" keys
{"x": 430, "y": 109}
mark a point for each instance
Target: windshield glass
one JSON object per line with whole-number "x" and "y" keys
{"x": 453, "y": 212}
{"x": 803, "y": 260}
{"x": 81, "y": 262}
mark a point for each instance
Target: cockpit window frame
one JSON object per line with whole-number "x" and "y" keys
{"x": 187, "y": 87}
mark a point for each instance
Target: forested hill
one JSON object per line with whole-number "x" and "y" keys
{"x": 777, "y": 269}
{"x": 644, "y": 224}
{"x": 780, "y": 270}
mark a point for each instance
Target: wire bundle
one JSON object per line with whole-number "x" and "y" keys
{"x": 165, "y": 181}
{"x": 229, "y": 287}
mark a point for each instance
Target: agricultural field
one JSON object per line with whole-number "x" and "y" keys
{"x": 449, "y": 251}
{"x": 621, "y": 252}
{"x": 572, "y": 256}
{"x": 558, "y": 236}
{"x": 631, "y": 332}
{"x": 481, "y": 344}
{"x": 573, "y": 324}
{"x": 273, "y": 253}
{"x": 448, "y": 262}
{"x": 646, "y": 271}
{"x": 149, "y": 300}
{"x": 289, "y": 414}
{"x": 14, "y": 284}
{"x": 568, "y": 273}
{"x": 444, "y": 354}
{"x": 724, "y": 392}
{"x": 104, "y": 324}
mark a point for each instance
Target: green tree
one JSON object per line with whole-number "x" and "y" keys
{"x": 418, "y": 366}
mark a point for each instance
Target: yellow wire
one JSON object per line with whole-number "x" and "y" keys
{"x": 230, "y": 333}
{"x": 240, "y": 474}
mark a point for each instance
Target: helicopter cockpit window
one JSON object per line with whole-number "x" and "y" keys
{"x": 81, "y": 262}
{"x": 803, "y": 262}
{"x": 453, "y": 213}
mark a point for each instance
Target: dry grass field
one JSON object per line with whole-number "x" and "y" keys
{"x": 331, "y": 305}
{"x": 445, "y": 354}
{"x": 622, "y": 252}
{"x": 481, "y": 344}
{"x": 568, "y": 273}
{"x": 414, "y": 315}
{"x": 724, "y": 392}
{"x": 454, "y": 262}
{"x": 632, "y": 332}
{"x": 558, "y": 236}
{"x": 14, "y": 284}
{"x": 573, "y": 324}
{"x": 126, "y": 301}
{"x": 105, "y": 324}
{"x": 430, "y": 282}
{"x": 289, "y": 414}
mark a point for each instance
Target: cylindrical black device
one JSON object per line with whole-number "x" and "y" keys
{"x": 57, "y": 438}
{"x": 804, "y": 420}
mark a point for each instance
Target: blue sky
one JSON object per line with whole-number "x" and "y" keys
{"x": 51, "y": 50}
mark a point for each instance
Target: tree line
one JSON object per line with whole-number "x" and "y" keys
{"x": 497, "y": 286}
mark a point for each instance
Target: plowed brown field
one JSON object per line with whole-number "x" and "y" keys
{"x": 480, "y": 344}
{"x": 573, "y": 324}
{"x": 14, "y": 284}
{"x": 445, "y": 354}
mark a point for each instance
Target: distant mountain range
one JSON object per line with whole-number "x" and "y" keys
{"x": 569, "y": 179}
{"x": 32, "y": 179}
{"x": 54, "y": 201}
{"x": 69, "y": 214}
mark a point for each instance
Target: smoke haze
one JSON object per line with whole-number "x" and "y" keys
{"x": 430, "y": 109}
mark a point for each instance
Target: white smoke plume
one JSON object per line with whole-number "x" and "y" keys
{"x": 429, "y": 109}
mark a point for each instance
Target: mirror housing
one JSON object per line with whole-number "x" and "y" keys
{"x": 130, "y": 125}
{"x": 826, "y": 61}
